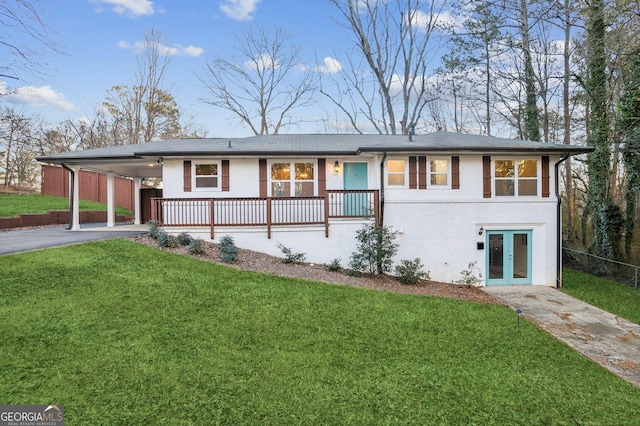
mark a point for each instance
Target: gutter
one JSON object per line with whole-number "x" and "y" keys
{"x": 384, "y": 158}
{"x": 559, "y": 223}
{"x": 71, "y": 191}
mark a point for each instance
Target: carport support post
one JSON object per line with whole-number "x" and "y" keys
{"x": 137, "y": 182}
{"x": 75, "y": 205}
{"x": 111, "y": 200}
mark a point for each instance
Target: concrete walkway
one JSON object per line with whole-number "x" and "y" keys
{"x": 609, "y": 340}
{"x": 19, "y": 240}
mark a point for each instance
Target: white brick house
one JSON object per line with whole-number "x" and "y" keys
{"x": 452, "y": 199}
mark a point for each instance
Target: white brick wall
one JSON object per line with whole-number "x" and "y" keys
{"x": 444, "y": 235}
{"x": 438, "y": 225}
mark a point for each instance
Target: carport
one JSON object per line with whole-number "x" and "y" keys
{"x": 112, "y": 162}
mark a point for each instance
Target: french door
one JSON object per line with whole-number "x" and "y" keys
{"x": 509, "y": 257}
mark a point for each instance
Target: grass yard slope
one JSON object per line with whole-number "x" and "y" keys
{"x": 12, "y": 205}
{"x": 607, "y": 295}
{"x": 121, "y": 333}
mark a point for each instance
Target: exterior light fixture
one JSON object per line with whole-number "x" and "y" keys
{"x": 336, "y": 168}
{"x": 481, "y": 231}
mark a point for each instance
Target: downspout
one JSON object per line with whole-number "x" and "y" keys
{"x": 384, "y": 158}
{"x": 559, "y": 224}
{"x": 71, "y": 191}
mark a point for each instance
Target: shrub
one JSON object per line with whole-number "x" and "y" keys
{"x": 469, "y": 277}
{"x": 154, "y": 230}
{"x": 410, "y": 271}
{"x": 184, "y": 239}
{"x": 195, "y": 247}
{"x": 228, "y": 249}
{"x": 166, "y": 240}
{"x": 375, "y": 249}
{"x": 290, "y": 256}
{"x": 334, "y": 265}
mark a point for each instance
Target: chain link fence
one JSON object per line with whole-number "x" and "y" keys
{"x": 602, "y": 267}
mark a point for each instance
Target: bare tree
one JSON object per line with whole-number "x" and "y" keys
{"x": 18, "y": 148}
{"x": 146, "y": 110}
{"x": 386, "y": 77}
{"x": 263, "y": 83}
{"x": 24, "y": 38}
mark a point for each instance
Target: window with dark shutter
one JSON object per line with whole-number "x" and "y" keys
{"x": 225, "y": 175}
{"x": 186, "y": 174}
{"x": 455, "y": 172}
{"x": 322, "y": 176}
{"x": 422, "y": 172}
{"x": 413, "y": 173}
{"x": 486, "y": 176}
{"x": 262, "y": 163}
{"x": 545, "y": 176}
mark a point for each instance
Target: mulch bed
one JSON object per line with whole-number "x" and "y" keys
{"x": 261, "y": 262}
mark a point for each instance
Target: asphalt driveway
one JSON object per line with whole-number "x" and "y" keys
{"x": 19, "y": 240}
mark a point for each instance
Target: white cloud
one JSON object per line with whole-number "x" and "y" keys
{"x": 173, "y": 50}
{"x": 331, "y": 66}
{"x": 262, "y": 63}
{"x": 132, "y": 8}
{"x": 240, "y": 10}
{"x": 440, "y": 21}
{"x": 36, "y": 96}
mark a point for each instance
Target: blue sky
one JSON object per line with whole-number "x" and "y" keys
{"x": 98, "y": 39}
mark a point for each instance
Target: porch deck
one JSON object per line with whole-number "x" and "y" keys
{"x": 266, "y": 211}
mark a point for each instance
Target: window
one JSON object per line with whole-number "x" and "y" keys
{"x": 292, "y": 179}
{"x": 438, "y": 172}
{"x": 207, "y": 176}
{"x": 516, "y": 178}
{"x": 396, "y": 172}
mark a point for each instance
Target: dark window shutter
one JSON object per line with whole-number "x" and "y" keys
{"x": 455, "y": 172}
{"x": 262, "y": 163}
{"x": 422, "y": 172}
{"x": 486, "y": 176}
{"x": 322, "y": 177}
{"x": 413, "y": 171}
{"x": 545, "y": 176}
{"x": 225, "y": 175}
{"x": 186, "y": 174}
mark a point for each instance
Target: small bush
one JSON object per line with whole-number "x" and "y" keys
{"x": 228, "y": 249}
{"x": 410, "y": 271}
{"x": 376, "y": 249}
{"x": 290, "y": 256}
{"x": 469, "y": 277}
{"x": 154, "y": 230}
{"x": 195, "y": 247}
{"x": 334, "y": 265}
{"x": 184, "y": 239}
{"x": 167, "y": 241}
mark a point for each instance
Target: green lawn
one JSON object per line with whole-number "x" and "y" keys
{"x": 15, "y": 204}
{"x": 120, "y": 333}
{"x": 611, "y": 296}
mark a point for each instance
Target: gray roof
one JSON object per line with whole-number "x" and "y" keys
{"x": 313, "y": 144}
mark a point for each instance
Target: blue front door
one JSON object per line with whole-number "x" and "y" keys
{"x": 355, "y": 177}
{"x": 509, "y": 257}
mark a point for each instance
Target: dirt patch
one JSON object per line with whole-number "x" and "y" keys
{"x": 565, "y": 316}
{"x": 260, "y": 262}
